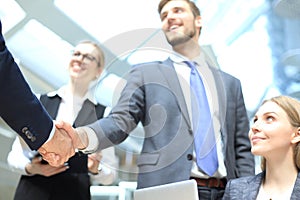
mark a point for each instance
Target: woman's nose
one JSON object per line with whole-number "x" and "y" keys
{"x": 255, "y": 126}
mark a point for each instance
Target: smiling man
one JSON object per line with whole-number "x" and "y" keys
{"x": 186, "y": 136}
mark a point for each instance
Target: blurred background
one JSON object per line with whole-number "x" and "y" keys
{"x": 257, "y": 41}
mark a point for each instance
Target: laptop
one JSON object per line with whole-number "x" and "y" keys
{"x": 173, "y": 191}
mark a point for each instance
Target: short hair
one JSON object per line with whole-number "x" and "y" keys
{"x": 195, "y": 10}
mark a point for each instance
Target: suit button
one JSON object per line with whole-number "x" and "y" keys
{"x": 189, "y": 157}
{"x": 33, "y": 139}
{"x": 24, "y": 129}
{"x": 28, "y": 134}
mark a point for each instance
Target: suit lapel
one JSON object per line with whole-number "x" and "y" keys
{"x": 218, "y": 92}
{"x": 175, "y": 87}
{"x": 51, "y": 104}
{"x": 86, "y": 115}
{"x": 219, "y": 100}
{"x": 252, "y": 188}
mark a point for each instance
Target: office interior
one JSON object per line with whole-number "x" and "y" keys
{"x": 256, "y": 41}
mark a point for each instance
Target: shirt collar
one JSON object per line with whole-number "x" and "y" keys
{"x": 199, "y": 60}
{"x": 63, "y": 93}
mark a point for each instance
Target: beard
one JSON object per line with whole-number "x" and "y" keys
{"x": 179, "y": 38}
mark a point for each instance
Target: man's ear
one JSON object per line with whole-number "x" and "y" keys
{"x": 198, "y": 21}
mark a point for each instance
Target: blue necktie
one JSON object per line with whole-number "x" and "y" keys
{"x": 205, "y": 142}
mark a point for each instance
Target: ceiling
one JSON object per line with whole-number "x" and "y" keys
{"x": 257, "y": 41}
{"x": 41, "y": 34}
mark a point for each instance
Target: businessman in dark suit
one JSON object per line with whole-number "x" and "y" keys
{"x": 158, "y": 95}
{"x": 22, "y": 111}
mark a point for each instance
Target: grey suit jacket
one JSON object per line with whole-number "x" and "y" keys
{"x": 247, "y": 188}
{"x": 153, "y": 96}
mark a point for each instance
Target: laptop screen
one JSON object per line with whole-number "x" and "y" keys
{"x": 173, "y": 191}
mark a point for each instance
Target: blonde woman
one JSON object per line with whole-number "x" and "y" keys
{"x": 274, "y": 135}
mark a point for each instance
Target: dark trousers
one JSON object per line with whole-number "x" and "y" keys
{"x": 206, "y": 193}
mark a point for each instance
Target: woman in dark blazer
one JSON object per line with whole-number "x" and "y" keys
{"x": 275, "y": 135}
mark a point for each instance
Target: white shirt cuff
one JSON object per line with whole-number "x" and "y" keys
{"x": 92, "y": 140}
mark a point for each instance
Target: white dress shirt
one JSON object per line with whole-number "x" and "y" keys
{"x": 183, "y": 72}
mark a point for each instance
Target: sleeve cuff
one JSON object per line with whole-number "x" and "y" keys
{"x": 92, "y": 140}
{"x": 51, "y": 133}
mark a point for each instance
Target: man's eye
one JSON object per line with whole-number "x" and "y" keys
{"x": 162, "y": 17}
{"x": 178, "y": 10}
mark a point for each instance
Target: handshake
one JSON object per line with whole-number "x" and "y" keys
{"x": 65, "y": 141}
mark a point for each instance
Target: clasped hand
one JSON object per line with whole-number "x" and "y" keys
{"x": 62, "y": 145}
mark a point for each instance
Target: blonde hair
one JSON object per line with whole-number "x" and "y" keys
{"x": 101, "y": 56}
{"x": 291, "y": 107}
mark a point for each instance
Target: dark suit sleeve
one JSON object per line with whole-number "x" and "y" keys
{"x": 19, "y": 107}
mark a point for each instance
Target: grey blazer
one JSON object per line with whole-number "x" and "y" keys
{"x": 153, "y": 96}
{"x": 247, "y": 188}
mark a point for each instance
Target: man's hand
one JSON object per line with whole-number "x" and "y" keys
{"x": 59, "y": 149}
{"x": 80, "y": 139}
